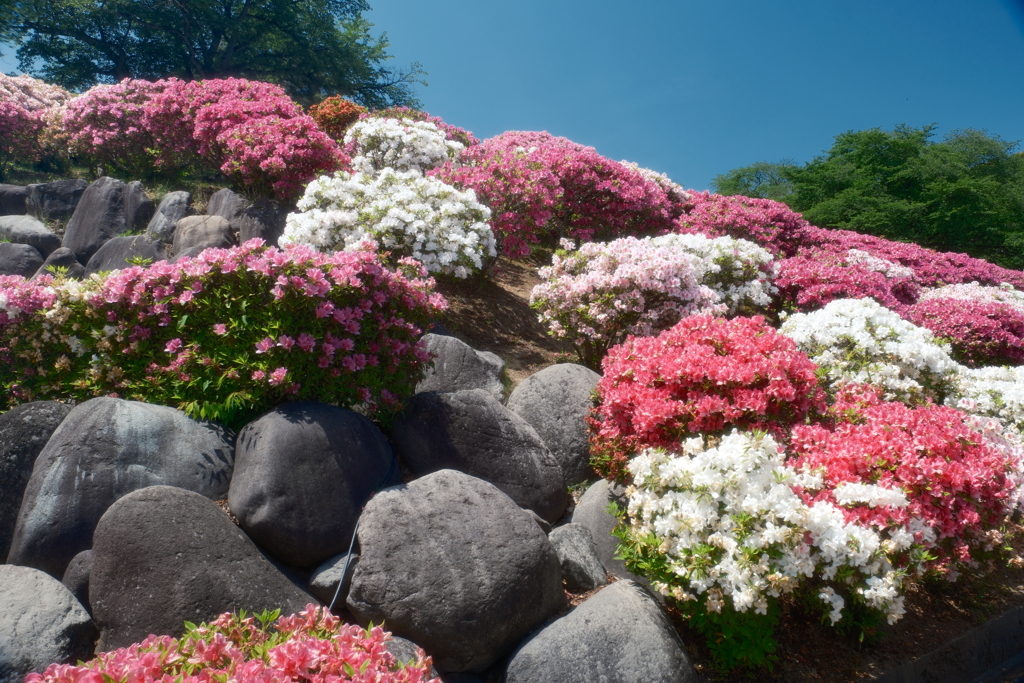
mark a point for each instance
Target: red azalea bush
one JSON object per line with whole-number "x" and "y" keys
{"x": 227, "y": 334}
{"x": 312, "y": 646}
{"x": 335, "y": 114}
{"x": 540, "y": 186}
{"x": 769, "y": 223}
{"x": 701, "y": 376}
{"x": 466, "y": 138}
{"x": 980, "y": 332}
{"x": 810, "y": 281}
{"x": 953, "y": 479}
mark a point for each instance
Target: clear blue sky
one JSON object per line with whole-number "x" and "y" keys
{"x": 694, "y": 89}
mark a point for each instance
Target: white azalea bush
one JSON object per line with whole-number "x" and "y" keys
{"x": 404, "y": 213}
{"x": 993, "y": 392}
{"x": 972, "y": 291}
{"x": 858, "y": 341}
{"x": 405, "y": 145}
{"x": 720, "y": 528}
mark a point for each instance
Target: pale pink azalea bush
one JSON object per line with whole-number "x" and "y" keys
{"x": 229, "y": 333}
{"x": 312, "y": 647}
{"x": 31, "y": 93}
{"x": 541, "y": 187}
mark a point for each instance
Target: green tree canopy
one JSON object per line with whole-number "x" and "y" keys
{"x": 963, "y": 194}
{"x": 312, "y": 48}
{"x": 763, "y": 179}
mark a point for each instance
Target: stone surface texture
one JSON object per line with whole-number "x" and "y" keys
{"x": 13, "y": 199}
{"x": 31, "y": 231}
{"x": 457, "y": 366}
{"x": 582, "y": 571}
{"x": 62, "y": 258}
{"x": 115, "y": 252}
{"x": 173, "y": 207}
{"x": 55, "y": 201}
{"x": 19, "y": 259}
{"x": 264, "y": 220}
{"x": 202, "y": 232}
{"x": 99, "y": 216}
{"x": 138, "y": 207}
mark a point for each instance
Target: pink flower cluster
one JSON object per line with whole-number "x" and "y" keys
{"x": 235, "y": 331}
{"x": 771, "y": 224}
{"x": 700, "y": 376}
{"x": 251, "y": 131}
{"x": 980, "y": 332}
{"x": 454, "y": 133}
{"x": 953, "y": 479}
{"x": 817, "y": 277}
{"x": 19, "y": 133}
{"x": 539, "y": 186}
{"x": 311, "y": 647}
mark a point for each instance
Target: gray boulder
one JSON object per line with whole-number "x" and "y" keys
{"x": 115, "y": 252}
{"x": 324, "y": 582}
{"x": 55, "y": 201}
{"x": 302, "y": 474}
{"x": 556, "y": 401}
{"x": 62, "y": 258}
{"x": 582, "y": 571}
{"x": 104, "y": 449}
{"x": 173, "y": 207}
{"x": 76, "y": 577}
{"x": 471, "y": 432}
{"x": 592, "y": 512}
{"x": 457, "y": 366}
{"x": 227, "y": 204}
{"x": 99, "y": 216}
{"x": 24, "y": 430}
{"x": 164, "y": 555}
{"x": 451, "y": 563}
{"x": 19, "y": 259}
{"x": 620, "y": 635}
{"x": 41, "y": 623}
{"x": 264, "y": 220}
{"x": 29, "y": 230}
{"x": 191, "y": 252}
{"x": 12, "y": 200}
{"x": 138, "y": 207}
{"x": 202, "y": 232}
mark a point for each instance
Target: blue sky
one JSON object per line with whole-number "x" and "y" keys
{"x": 694, "y": 89}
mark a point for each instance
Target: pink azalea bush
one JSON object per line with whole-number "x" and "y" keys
{"x": 701, "y": 376}
{"x": 771, "y": 224}
{"x": 19, "y": 134}
{"x": 227, "y": 334}
{"x": 958, "y": 486}
{"x": 980, "y": 332}
{"x": 312, "y": 646}
{"x": 814, "y": 279}
{"x": 541, "y": 187}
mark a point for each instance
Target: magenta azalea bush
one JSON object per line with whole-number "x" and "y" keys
{"x": 19, "y": 134}
{"x": 816, "y": 278}
{"x": 312, "y": 646}
{"x": 225, "y": 335}
{"x": 771, "y": 224}
{"x": 540, "y": 187}
{"x": 980, "y": 332}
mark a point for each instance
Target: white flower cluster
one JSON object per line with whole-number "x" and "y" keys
{"x": 738, "y": 271}
{"x": 404, "y": 145}
{"x": 1003, "y": 294}
{"x": 996, "y": 392}
{"x": 861, "y": 341}
{"x": 732, "y": 526}
{"x": 406, "y": 213}
{"x": 674, "y": 191}
{"x": 879, "y": 265}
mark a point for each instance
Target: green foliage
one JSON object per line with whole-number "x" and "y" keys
{"x": 763, "y": 179}
{"x": 312, "y": 48}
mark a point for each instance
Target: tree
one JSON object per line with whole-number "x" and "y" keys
{"x": 312, "y": 48}
{"x": 763, "y": 179}
{"x": 963, "y": 194}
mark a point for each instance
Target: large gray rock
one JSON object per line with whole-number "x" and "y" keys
{"x": 24, "y": 430}
{"x": 41, "y": 623}
{"x": 76, "y": 577}
{"x": 173, "y": 207}
{"x": 620, "y": 635}
{"x": 55, "y": 201}
{"x": 138, "y": 207}
{"x": 338, "y": 569}
{"x": 115, "y": 252}
{"x": 556, "y": 401}
{"x": 592, "y": 512}
{"x": 202, "y": 232}
{"x": 471, "y": 432}
{"x": 302, "y": 474}
{"x": 458, "y": 366}
{"x": 451, "y": 563}
{"x": 29, "y": 230}
{"x": 227, "y": 204}
{"x": 264, "y": 220}
{"x": 164, "y": 555}
{"x": 12, "y": 200}
{"x": 62, "y": 258}
{"x": 104, "y": 449}
{"x": 582, "y": 571}
{"x": 19, "y": 259}
{"x": 99, "y": 216}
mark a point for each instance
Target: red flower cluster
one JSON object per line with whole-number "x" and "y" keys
{"x": 952, "y": 478}
{"x": 980, "y": 332}
{"x": 335, "y": 114}
{"x": 701, "y": 376}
